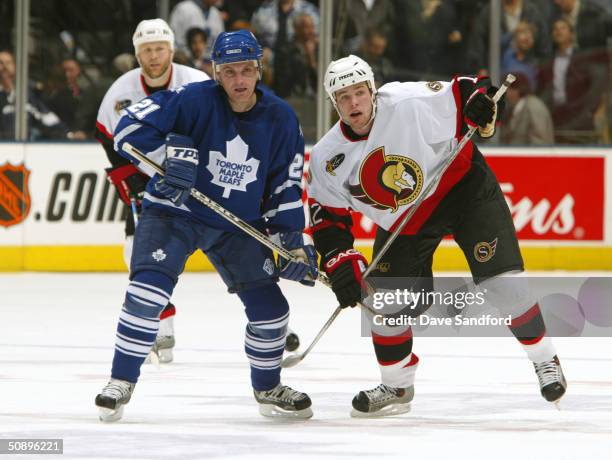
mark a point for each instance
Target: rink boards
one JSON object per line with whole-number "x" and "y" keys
{"x": 58, "y": 212}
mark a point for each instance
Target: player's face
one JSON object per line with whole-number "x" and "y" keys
{"x": 155, "y": 58}
{"x": 7, "y": 65}
{"x": 355, "y": 107}
{"x": 238, "y": 80}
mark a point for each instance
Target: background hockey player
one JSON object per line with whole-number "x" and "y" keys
{"x": 376, "y": 160}
{"x": 154, "y": 48}
{"x": 242, "y": 146}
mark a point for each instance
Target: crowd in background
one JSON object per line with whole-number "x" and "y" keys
{"x": 559, "y": 49}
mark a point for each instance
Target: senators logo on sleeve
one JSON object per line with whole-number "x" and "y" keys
{"x": 14, "y": 194}
{"x": 388, "y": 181}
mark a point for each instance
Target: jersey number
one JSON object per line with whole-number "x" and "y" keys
{"x": 143, "y": 108}
{"x": 315, "y": 214}
{"x": 295, "y": 169}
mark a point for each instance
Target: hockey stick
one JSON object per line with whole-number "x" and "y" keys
{"x": 226, "y": 214}
{"x": 292, "y": 360}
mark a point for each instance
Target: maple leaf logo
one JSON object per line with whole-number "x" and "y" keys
{"x": 234, "y": 171}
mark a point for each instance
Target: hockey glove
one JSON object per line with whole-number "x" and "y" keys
{"x": 181, "y": 167}
{"x": 480, "y": 111}
{"x": 129, "y": 182}
{"x": 345, "y": 273}
{"x": 300, "y": 245}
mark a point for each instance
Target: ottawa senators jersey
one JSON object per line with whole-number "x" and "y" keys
{"x": 130, "y": 88}
{"x": 381, "y": 175}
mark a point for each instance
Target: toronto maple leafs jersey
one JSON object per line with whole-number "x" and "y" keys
{"x": 250, "y": 163}
{"x": 381, "y": 175}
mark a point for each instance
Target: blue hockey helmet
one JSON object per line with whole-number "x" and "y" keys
{"x": 237, "y": 46}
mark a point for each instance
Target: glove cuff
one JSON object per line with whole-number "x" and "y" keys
{"x": 350, "y": 255}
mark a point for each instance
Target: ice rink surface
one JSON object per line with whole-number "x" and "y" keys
{"x": 475, "y": 398}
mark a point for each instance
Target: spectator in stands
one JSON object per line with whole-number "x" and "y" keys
{"x": 272, "y": 22}
{"x": 429, "y": 32}
{"x": 237, "y": 15}
{"x": 372, "y": 51}
{"x": 572, "y": 85}
{"x": 588, "y": 20}
{"x": 197, "y": 42}
{"x": 512, "y": 13}
{"x": 42, "y": 122}
{"x": 122, "y": 63}
{"x": 519, "y": 56}
{"x": 66, "y": 97}
{"x": 295, "y": 65}
{"x": 196, "y": 13}
{"x": 527, "y": 120}
{"x": 355, "y": 17}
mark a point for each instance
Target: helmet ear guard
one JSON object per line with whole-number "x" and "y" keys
{"x": 238, "y": 46}
{"x": 349, "y": 71}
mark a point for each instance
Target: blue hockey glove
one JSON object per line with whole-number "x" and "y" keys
{"x": 302, "y": 247}
{"x": 181, "y": 167}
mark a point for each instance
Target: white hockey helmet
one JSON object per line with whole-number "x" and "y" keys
{"x": 152, "y": 30}
{"x": 349, "y": 71}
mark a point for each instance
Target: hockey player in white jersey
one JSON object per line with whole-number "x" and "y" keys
{"x": 154, "y": 48}
{"x": 386, "y": 147}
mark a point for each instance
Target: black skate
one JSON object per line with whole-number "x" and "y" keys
{"x": 551, "y": 378}
{"x": 292, "y": 341}
{"x": 113, "y": 397}
{"x": 382, "y": 401}
{"x": 283, "y": 401}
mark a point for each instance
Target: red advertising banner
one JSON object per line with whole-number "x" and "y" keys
{"x": 550, "y": 197}
{"x": 553, "y": 198}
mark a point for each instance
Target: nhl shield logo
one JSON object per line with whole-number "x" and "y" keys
{"x": 14, "y": 194}
{"x": 388, "y": 181}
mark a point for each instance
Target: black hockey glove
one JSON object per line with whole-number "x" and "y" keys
{"x": 345, "y": 273}
{"x": 479, "y": 109}
{"x": 128, "y": 181}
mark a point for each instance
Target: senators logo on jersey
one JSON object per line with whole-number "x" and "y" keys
{"x": 388, "y": 181}
{"x": 14, "y": 194}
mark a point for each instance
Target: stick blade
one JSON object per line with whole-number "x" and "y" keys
{"x": 291, "y": 360}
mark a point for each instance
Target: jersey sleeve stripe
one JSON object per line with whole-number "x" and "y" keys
{"x": 284, "y": 207}
{"x": 457, "y": 96}
{"x": 103, "y": 130}
{"x": 124, "y": 132}
{"x": 288, "y": 183}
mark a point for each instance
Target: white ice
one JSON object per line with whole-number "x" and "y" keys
{"x": 475, "y": 398}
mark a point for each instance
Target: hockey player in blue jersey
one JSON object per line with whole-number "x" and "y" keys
{"x": 242, "y": 146}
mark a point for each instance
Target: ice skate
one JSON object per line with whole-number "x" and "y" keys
{"x": 285, "y": 402}
{"x": 551, "y": 378}
{"x": 162, "y": 351}
{"x": 292, "y": 341}
{"x": 382, "y": 401}
{"x": 113, "y": 397}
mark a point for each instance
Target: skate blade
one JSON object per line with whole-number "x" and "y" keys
{"x": 270, "y": 410}
{"x": 165, "y": 355}
{"x": 107, "y": 415}
{"x": 152, "y": 358}
{"x": 388, "y": 411}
